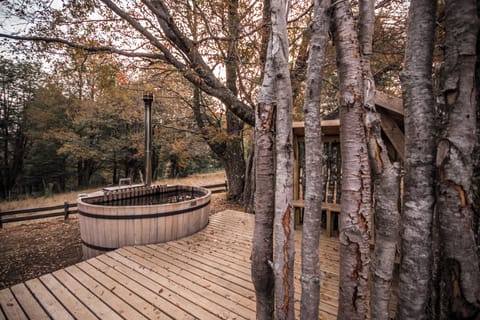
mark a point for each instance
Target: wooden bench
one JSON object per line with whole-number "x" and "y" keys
{"x": 330, "y": 208}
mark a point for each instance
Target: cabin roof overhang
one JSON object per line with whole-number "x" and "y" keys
{"x": 390, "y": 109}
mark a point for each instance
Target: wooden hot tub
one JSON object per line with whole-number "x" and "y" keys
{"x": 138, "y": 215}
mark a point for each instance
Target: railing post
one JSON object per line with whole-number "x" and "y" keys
{"x": 65, "y": 210}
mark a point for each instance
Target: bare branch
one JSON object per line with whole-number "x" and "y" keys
{"x": 96, "y": 49}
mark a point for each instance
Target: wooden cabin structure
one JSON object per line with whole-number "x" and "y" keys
{"x": 391, "y": 113}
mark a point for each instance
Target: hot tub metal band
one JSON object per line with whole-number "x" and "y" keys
{"x": 142, "y": 216}
{"x": 132, "y": 217}
{"x": 94, "y": 247}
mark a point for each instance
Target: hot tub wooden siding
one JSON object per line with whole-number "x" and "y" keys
{"x": 105, "y": 227}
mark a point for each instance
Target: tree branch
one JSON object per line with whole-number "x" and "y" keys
{"x": 96, "y": 49}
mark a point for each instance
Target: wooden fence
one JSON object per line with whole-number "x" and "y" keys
{"x": 66, "y": 209}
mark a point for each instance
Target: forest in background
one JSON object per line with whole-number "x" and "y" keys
{"x": 100, "y": 68}
{"x": 83, "y": 126}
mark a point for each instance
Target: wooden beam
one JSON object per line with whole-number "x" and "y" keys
{"x": 329, "y": 127}
{"x": 389, "y": 102}
{"x": 394, "y": 134}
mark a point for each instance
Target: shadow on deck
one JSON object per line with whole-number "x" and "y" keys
{"x": 204, "y": 276}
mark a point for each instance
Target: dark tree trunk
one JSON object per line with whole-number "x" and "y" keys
{"x": 229, "y": 150}
{"x": 233, "y": 158}
{"x": 311, "y": 275}
{"x": 476, "y": 170}
{"x": 115, "y": 169}
{"x": 249, "y": 186}
{"x": 234, "y": 155}
{"x": 419, "y": 199}
{"x": 459, "y": 261}
{"x": 298, "y": 74}
{"x": 356, "y": 197}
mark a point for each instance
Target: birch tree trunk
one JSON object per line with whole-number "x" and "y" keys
{"x": 476, "y": 172}
{"x": 419, "y": 199}
{"x": 264, "y": 170}
{"x": 311, "y": 274}
{"x": 262, "y": 246}
{"x": 283, "y": 223}
{"x": 355, "y": 199}
{"x": 459, "y": 273}
{"x": 386, "y": 179}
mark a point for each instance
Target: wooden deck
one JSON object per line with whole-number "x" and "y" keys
{"x": 204, "y": 276}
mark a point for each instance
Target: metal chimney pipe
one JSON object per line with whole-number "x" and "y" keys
{"x": 148, "y": 99}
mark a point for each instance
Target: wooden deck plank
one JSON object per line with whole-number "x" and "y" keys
{"x": 218, "y": 247}
{"x": 330, "y": 302}
{"x": 118, "y": 288}
{"x": 96, "y": 305}
{"x": 156, "y": 298}
{"x": 208, "y": 266}
{"x": 208, "y": 293}
{"x": 9, "y": 305}
{"x": 2, "y": 316}
{"x": 234, "y": 253}
{"x": 114, "y": 302}
{"x": 172, "y": 297}
{"x": 203, "y": 276}
{"x": 29, "y": 305}
{"x": 218, "y": 277}
{"x": 68, "y": 300}
{"x": 51, "y": 305}
{"x": 184, "y": 295}
{"x": 229, "y": 256}
{"x": 217, "y": 285}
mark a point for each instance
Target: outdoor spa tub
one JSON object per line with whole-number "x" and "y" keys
{"x": 139, "y": 215}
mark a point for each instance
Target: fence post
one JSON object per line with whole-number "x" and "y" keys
{"x": 65, "y": 210}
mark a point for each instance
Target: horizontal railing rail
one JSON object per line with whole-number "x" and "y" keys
{"x": 66, "y": 209}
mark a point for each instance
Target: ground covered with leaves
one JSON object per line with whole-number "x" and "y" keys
{"x": 29, "y": 250}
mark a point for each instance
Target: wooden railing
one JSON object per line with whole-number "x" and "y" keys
{"x": 66, "y": 209}
{"x": 37, "y": 213}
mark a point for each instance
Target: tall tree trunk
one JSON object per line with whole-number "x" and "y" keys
{"x": 419, "y": 198}
{"x": 386, "y": 178}
{"x": 298, "y": 74}
{"x": 234, "y": 157}
{"x": 283, "y": 223}
{"x": 356, "y": 198}
{"x": 460, "y": 273}
{"x": 264, "y": 170}
{"x": 249, "y": 186}
{"x": 311, "y": 274}
{"x": 262, "y": 246}
{"x": 476, "y": 171}
{"x": 230, "y": 151}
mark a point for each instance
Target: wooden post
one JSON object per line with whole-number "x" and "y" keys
{"x": 65, "y": 210}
